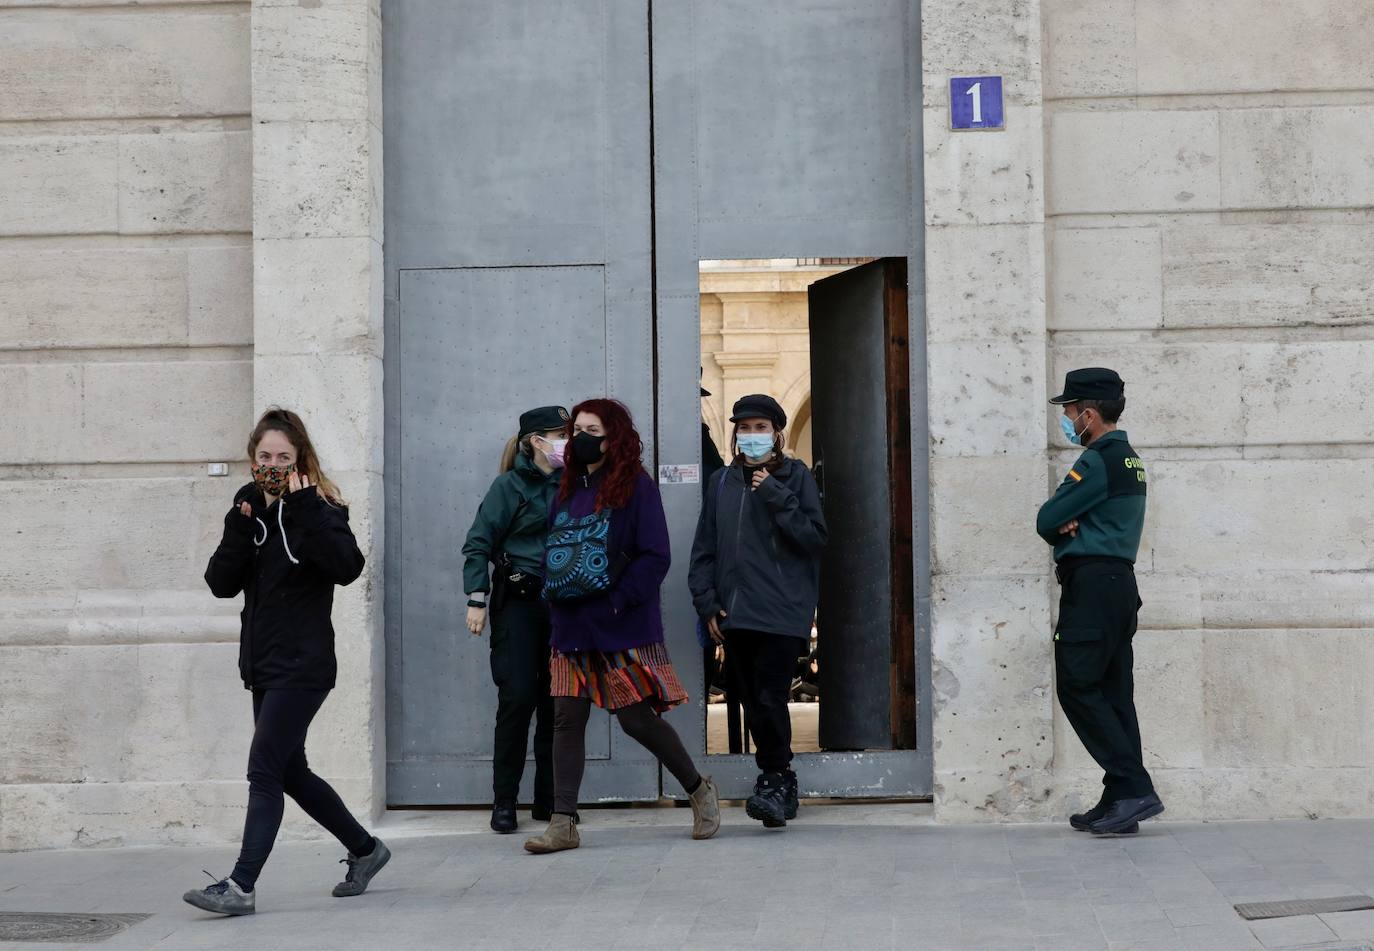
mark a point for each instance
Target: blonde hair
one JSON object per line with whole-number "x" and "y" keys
{"x": 307, "y": 460}
{"x": 516, "y": 445}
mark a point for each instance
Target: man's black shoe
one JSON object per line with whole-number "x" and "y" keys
{"x": 503, "y": 817}
{"x": 769, "y": 802}
{"x": 1125, "y": 813}
{"x": 1080, "y": 821}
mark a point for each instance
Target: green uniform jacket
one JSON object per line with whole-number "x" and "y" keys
{"x": 513, "y": 518}
{"x": 1105, "y": 491}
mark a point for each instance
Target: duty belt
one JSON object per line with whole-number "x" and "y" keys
{"x": 1064, "y": 569}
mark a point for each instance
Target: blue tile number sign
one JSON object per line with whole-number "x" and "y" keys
{"x": 975, "y": 102}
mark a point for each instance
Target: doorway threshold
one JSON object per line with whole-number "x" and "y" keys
{"x": 663, "y": 813}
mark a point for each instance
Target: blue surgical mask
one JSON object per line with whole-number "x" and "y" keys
{"x": 755, "y": 445}
{"x": 1070, "y": 433}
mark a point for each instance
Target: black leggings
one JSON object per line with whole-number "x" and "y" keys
{"x": 640, "y": 721}
{"x": 276, "y": 765}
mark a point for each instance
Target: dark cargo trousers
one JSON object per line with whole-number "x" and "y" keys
{"x": 1094, "y": 662}
{"x": 520, "y": 670}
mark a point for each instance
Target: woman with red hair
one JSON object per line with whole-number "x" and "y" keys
{"x": 606, "y": 557}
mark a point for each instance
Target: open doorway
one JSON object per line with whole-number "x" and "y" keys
{"x": 826, "y": 338}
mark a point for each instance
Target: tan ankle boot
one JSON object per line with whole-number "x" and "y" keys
{"x": 705, "y": 810}
{"x": 558, "y": 837}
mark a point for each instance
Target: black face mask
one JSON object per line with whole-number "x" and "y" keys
{"x": 586, "y": 448}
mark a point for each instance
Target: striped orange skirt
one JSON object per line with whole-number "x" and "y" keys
{"x": 619, "y": 679}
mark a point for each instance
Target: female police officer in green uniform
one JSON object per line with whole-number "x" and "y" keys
{"x": 509, "y": 533}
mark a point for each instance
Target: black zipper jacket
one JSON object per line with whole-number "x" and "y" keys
{"x": 757, "y": 553}
{"x": 286, "y": 560}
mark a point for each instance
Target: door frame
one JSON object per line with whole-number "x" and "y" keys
{"x": 678, "y": 249}
{"x": 869, "y": 774}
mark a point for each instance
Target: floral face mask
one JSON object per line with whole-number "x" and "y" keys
{"x": 272, "y": 479}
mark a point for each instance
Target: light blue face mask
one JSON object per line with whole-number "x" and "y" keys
{"x": 1070, "y": 433}
{"x": 755, "y": 445}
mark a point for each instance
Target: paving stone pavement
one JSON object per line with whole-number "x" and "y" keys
{"x": 849, "y": 878}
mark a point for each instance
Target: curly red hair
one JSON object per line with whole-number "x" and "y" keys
{"x": 623, "y": 451}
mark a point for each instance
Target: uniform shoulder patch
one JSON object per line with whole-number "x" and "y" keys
{"x": 1073, "y": 474}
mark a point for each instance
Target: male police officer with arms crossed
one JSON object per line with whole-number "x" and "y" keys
{"x": 1094, "y": 521}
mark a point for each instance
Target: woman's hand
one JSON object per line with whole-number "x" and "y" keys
{"x": 297, "y": 481}
{"x": 245, "y": 510}
{"x": 713, "y": 626}
{"x": 477, "y": 619}
{"x": 760, "y": 478}
{"x": 1069, "y": 528}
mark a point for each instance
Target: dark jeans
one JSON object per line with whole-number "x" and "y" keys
{"x": 640, "y": 721}
{"x": 763, "y": 666}
{"x": 277, "y": 765}
{"x": 1094, "y": 674}
{"x": 520, "y": 670}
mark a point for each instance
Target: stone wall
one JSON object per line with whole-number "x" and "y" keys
{"x": 126, "y": 333}
{"x": 1210, "y": 234}
{"x": 168, "y": 268}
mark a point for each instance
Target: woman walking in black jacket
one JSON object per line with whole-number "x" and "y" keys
{"x": 286, "y": 545}
{"x": 755, "y": 578}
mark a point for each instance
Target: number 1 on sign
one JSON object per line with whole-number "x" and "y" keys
{"x": 976, "y": 92}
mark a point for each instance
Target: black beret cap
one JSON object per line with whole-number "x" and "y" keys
{"x": 1091, "y": 383}
{"x": 542, "y": 420}
{"x": 759, "y": 406}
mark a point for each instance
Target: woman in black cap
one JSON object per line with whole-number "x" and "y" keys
{"x": 755, "y": 578}
{"x": 508, "y": 532}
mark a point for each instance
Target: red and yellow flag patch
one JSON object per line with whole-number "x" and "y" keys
{"x": 1075, "y": 476}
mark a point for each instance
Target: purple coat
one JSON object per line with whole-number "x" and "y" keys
{"x": 629, "y": 616}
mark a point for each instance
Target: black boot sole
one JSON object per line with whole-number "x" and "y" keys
{"x": 771, "y": 818}
{"x": 1120, "y": 827}
{"x": 1130, "y": 830}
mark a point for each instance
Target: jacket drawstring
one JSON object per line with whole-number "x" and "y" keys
{"x": 259, "y": 541}
{"x": 281, "y": 506}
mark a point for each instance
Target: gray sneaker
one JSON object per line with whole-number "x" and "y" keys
{"x": 361, "y": 868}
{"x": 223, "y": 898}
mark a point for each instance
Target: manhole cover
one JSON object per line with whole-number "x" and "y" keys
{"x": 45, "y": 926}
{"x": 1307, "y": 906}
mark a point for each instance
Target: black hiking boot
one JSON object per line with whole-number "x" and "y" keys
{"x": 769, "y": 802}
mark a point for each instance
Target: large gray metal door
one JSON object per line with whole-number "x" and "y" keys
{"x": 519, "y": 141}
{"x": 517, "y": 274}
{"x": 786, "y": 129}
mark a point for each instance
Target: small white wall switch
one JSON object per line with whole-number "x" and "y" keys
{"x": 218, "y": 468}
